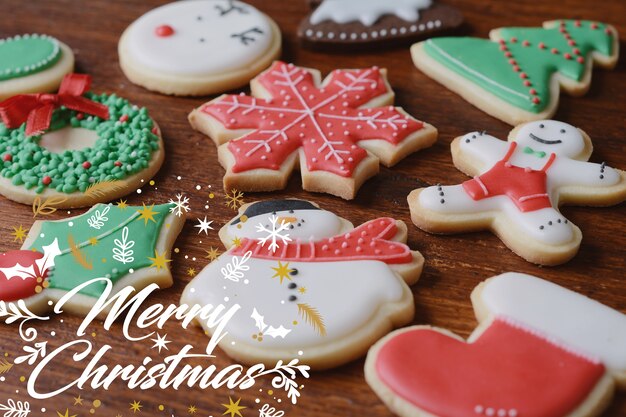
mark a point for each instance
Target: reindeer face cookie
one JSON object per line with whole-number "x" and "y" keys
{"x": 322, "y": 292}
{"x": 337, "y": 130}
{"x": 517, "y": 188}
{"x": 540, "y": 351}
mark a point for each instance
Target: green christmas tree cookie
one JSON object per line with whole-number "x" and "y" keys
{"x": 515, "y": 76}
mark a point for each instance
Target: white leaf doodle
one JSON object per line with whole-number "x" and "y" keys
{"x": 123, "y": 252}
{"x": 286, "y": 375}
{"x": 43, "y": 264}
{"x": 18, "y": 312}
{"x": 32, "y": 353}
{"x": 271, "y": 331}
{"x": 98, "y": 219}
{"x": 234, "y": 271}
{"x": 267, "y": 411}
{"x": 274, "y": 234}
{"x": 15, "y": 408}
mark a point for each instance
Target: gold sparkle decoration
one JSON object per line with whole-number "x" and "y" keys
{"x": 93, "y": 241}
{"x": 147, "y": 213}
{"x": 282, "y": 271}
{"x": 67, "y": 413}
{"x": 159, "y": 261}
{"x": 135, "y": 406}
{"x": 192, "y": 409}
{"x": 191, "y": 272}
{"x": 312, "y": 317}
{"x": 78, "y": 400}
{"x": 19, "y": 233}
{"x": 212, "y": 254}
{"x": 234, "y": 199}
{"x": 5, "y": 366}
{"x": 122, "y": 204}
{"x": 236, "y": 242}
{"x": 302, "y": 290}
{"x": 233, "y": 408}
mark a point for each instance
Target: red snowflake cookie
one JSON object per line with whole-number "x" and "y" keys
{"x": 339, "y": 129}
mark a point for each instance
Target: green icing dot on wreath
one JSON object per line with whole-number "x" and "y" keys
{"x": 23, "y": 55}
{"x": 124, "y": 147}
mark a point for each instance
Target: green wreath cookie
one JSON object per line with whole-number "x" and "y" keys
{"x": 33, "y": 64}
{"x": 91, "y": 148}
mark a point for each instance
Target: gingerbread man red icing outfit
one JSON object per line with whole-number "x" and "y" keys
{"x": 518, "y": 187}
{"x": 324, "y": 296}
{"x": 338, "y": 130}
{"x": 540, "y": 351}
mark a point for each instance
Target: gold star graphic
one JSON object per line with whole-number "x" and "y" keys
{"x": 135, "y": 406}
{"x": 191, "y": 272}
{"x": 67, "y": 414}
{"x": 192, "y": 409}
{"x": 122, "y": 204}
{"x": 212, "y": 254}
{"x": 159, "y": 261}
{"x": 93, "y": 241}
{"x": 302, "y": 290}
{"x": 282, "y": 271}
{"x": 147, "y": 213}
{"x": 236, "y": 242}
{"x": 233, "y": 408}
{"x": 78, "y": 400}
{"x": 19, "y": 233}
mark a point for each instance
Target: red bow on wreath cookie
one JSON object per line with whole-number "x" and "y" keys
{"x": 36, "y": 109}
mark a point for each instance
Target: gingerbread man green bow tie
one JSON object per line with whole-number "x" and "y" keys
{"x": 529, "y": 150}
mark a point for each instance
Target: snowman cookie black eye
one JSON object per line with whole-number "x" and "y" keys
{"x": 542, "y": 125}
{"x": 562, "y": 130}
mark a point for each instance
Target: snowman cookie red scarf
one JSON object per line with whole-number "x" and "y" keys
{"x": 370, "y": 241}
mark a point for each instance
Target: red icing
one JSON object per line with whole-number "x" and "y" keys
{"x": 507, "y": 368}
{"x": 527, "y": 188}
{"x": 326, "y": 123}
{"x": 14, "y": 288}
{"x": 164, "y": 31}
{"x": 370, "y": 241}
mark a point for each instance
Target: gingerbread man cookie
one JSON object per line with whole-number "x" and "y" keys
{"x": 76, "y": 147}
{"x": 516, "y": 75}
{"x": 517, "y": 188}
{"x": 323, "y": 294}
{"x": 354, "y": 23}
{"x": 337, "y": 131}
{"x": 540, "y": 351}
{"x": 33, "y": 63}
{"x": 198, "y": 47}
{"x": 128, "y": 245}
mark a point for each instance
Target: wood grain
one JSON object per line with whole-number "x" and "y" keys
{"x": 454, "y": 264}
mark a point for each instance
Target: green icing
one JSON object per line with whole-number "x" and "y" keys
{"x": 23, "y": 55}
{"x": 484, "y": 62}
{"x": 121, "y": 150}
{"x": 69, "y": 273}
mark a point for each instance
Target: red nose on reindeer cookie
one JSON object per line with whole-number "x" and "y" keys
{"x": 540, "y": 351}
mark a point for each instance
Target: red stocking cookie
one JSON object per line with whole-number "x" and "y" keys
{"x": 518, "y": 187}
{"x": 540, "y": 351}
{"x": 337, "y": 130}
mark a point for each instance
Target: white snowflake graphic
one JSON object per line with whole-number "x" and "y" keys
{"x": 181, "y": 205}
{"x": 274, "y": 234}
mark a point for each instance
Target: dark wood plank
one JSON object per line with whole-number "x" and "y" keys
{"x": 454, "y": 264}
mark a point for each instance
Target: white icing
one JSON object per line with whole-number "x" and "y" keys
{"x": 347, "y": 294}
{"x": 309, "y": 224}
{"x": 184, "y": 52}
{"x": 571, "y": 319}
{"x": 487, "y": 150}
{"x": 367, "y": 11}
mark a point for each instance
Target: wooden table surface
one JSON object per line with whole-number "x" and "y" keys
{"x": 454, "y": 264}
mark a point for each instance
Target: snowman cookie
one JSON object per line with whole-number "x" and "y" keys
{"x": 337, "y": 131}
{"x": 540, "y": 351}
{"x": 517, "y": 188}
{"x": 322, "y": 291}
{"x": 349, "y": 24}
{"x": 75, "y": 148}
{"x": 198, "y": 47}
{"x": 33, "y": 63}
{"x": 129, "y": 245}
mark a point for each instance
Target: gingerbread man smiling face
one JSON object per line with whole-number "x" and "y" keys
{"x": 517, "y": 188}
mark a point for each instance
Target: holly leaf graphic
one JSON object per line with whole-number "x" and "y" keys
{"x": 50, "y": 252}
{"x": 259, "y": 320}
{"x": 277, "y": 332}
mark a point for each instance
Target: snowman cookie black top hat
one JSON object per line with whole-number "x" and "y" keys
{"x": 322, "y": 291}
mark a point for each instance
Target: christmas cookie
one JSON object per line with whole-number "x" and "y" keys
{"x": 336, "y": 132}
{"x": 198, "y": 47}
{"x": 540, "y": 351}
{"x": 517, "y": 189}
{"x": 309, "y": 284}
{"x": 33, "y": 64}
{"x": 353, "y": 23}
{"x": 128, "y": 245}
{"x": 516, "y": 75}
{"x": 77, "y": 147}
